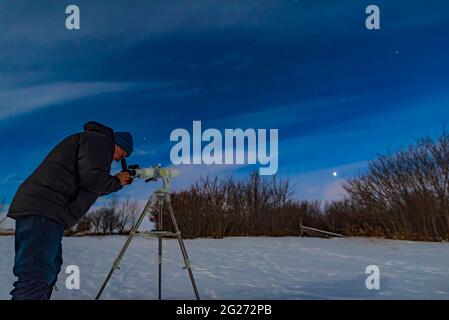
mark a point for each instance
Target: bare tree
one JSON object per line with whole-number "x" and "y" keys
{"x": 129, "y": 211}
{"x": 84, "y": 226}
{"x": 405, "y": 194}
{"x": 110, "y": 216}
{"x": 96, "y": 219}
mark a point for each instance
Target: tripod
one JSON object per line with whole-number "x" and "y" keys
{"x": 154, "y": 206}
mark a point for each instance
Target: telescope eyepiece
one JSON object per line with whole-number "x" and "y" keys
{"x": 131, "y": 169}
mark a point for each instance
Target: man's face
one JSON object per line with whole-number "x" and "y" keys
{"x": 119, "y": 153}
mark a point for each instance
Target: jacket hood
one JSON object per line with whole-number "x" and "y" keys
{"x": 98, "y": 127}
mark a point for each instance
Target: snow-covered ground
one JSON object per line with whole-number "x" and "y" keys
{"x": 251, "y": 268}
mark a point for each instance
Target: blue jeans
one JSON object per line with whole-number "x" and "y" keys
{"x": 38, "y": 257}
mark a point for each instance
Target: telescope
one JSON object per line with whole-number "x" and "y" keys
{"x": 154, "y": 206}
{"x": 151, "y": 173}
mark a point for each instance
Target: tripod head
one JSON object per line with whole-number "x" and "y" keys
{"x": 152, "y": 174}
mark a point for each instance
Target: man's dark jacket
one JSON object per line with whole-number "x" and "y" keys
{"x": 70, "y": 179}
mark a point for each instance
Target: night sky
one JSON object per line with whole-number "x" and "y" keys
{"x": 338, "y": 93}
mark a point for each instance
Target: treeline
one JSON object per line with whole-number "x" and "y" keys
{"x": 402, "y": 195}
{"x": 257, "y": 206}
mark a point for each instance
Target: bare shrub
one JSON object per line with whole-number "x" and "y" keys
{"x": 404, "y": 195}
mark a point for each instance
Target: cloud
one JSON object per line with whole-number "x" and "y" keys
{"x": 305, "y": 113}
{"x": 9, "y": 179}
{"x": 141, "y": 152}
{"x": 334, "y": 190}
{"x": 42, "y": 22}
{"x": 192, "y": 173}
{"x": 233, "y": 62}
{"x": 321, "y": 184}
{"x": 14, "y": 102}
{"x": 177, "y": 93}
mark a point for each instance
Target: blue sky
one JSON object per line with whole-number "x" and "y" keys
{"x": 338, "y": 93}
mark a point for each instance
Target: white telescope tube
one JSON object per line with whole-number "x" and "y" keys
{"x": 156, "y": 172}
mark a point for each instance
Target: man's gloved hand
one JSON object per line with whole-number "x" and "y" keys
{"x": 125, "y": 178}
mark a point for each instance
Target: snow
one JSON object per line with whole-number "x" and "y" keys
{"x": 6, "y": 223}
{"x": 251, "y": 268}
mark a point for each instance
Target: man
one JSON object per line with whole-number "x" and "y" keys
{"x": 58, "y": 193}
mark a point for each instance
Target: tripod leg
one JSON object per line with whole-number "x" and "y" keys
{"x": 160, "y": 253}
{"x": 183, "y": 250}
{"x": 125, "y": 247}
